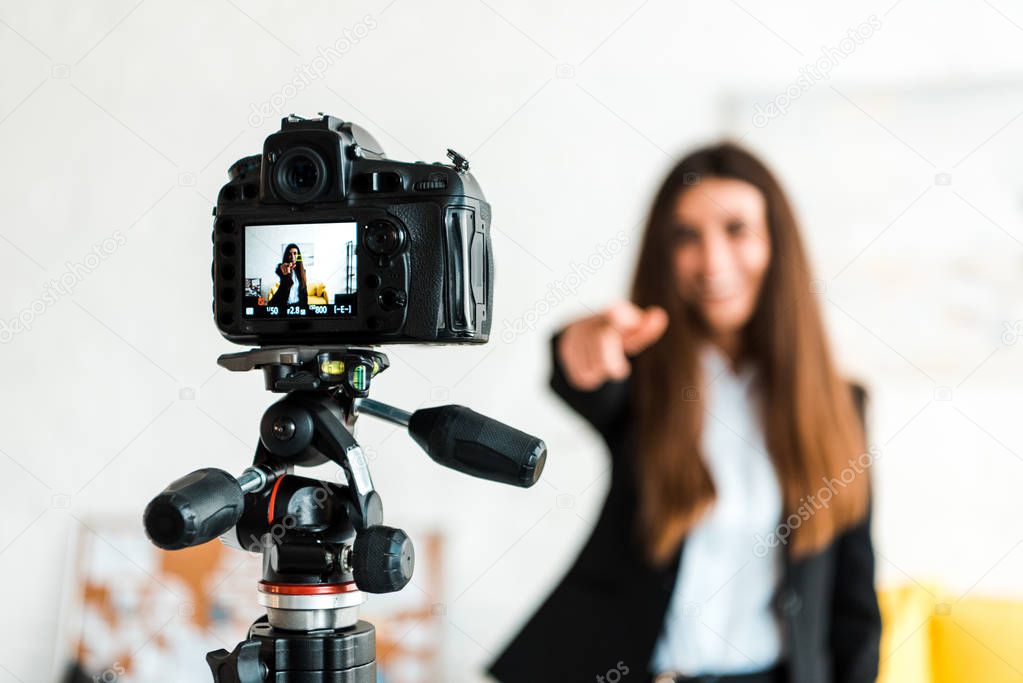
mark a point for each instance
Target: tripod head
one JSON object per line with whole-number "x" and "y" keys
{"x": 323, "y": 543}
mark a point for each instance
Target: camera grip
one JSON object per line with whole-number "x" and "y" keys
{"x": 462, "y": 439}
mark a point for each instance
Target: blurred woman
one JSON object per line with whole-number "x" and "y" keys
{"x": 734, "y": 544}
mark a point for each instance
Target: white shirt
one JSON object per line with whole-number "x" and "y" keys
{"x": 720, "y": 620}
{"x": 293, "y": 292}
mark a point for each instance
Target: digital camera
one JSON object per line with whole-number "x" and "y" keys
{"x": 322, "y": 239}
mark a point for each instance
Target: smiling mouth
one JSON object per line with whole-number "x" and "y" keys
{"x": 720, "y": 291}
{"x": 719, "y": 296}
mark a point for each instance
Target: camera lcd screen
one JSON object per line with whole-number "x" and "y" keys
{"x": 300, "y": 270}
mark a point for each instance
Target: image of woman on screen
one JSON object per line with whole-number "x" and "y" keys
{"x": 292, "y": 289}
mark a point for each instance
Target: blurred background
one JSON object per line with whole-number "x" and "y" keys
{"x": 896, "y": 126}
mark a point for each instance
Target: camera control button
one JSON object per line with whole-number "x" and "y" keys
{"x": 391, "y": 299}
{"x": 384, "y": 238}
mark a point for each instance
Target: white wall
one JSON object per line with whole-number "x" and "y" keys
{"x": 118, "y": 121}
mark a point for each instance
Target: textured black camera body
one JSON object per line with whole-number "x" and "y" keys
{"x": 321, "y": 239}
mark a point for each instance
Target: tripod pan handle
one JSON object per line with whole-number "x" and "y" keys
{"x": 194, "y": 509}
{"x": 462, "y": 439}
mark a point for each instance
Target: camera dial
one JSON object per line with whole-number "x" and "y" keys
{"x": 384, "y": 238}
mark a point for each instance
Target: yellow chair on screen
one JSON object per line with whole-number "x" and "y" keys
{"x": 316, "y": 291}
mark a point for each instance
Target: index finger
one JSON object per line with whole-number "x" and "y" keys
{"x": 623, "y": 316}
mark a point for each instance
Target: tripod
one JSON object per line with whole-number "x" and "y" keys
{"x": 323, "y": 544}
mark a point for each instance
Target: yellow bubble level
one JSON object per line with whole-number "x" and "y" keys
{"x": 332, "y": 367}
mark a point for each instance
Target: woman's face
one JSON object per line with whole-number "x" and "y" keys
{"x": 722, "y": 250}
{"x": 292, "y": 255}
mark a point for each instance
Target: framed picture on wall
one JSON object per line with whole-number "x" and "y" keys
{"x": 137, "y": 614}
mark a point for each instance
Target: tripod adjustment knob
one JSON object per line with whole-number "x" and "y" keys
{"x": 242, "y": 665}
{"x": 382, "y": 559}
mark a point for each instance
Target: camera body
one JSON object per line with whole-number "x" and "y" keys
{"x": 322, "y": 239}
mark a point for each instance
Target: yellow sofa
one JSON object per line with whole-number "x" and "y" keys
{"x": 931, "y": 636}
{"x": 317, "y": 292}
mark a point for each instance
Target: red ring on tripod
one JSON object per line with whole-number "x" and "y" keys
{"x": 273, "y": 500}
{"x": 307, "y": 588}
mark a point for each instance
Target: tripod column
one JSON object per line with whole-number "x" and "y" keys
{"x": 273, "y": 655}
{"x": 311, "y": 607}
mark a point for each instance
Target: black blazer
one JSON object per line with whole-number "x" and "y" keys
{"x": 608, "y": 610}
{"x": 280, "y": 297}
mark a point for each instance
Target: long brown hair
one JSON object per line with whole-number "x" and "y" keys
{"x": 811, "y": 426}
